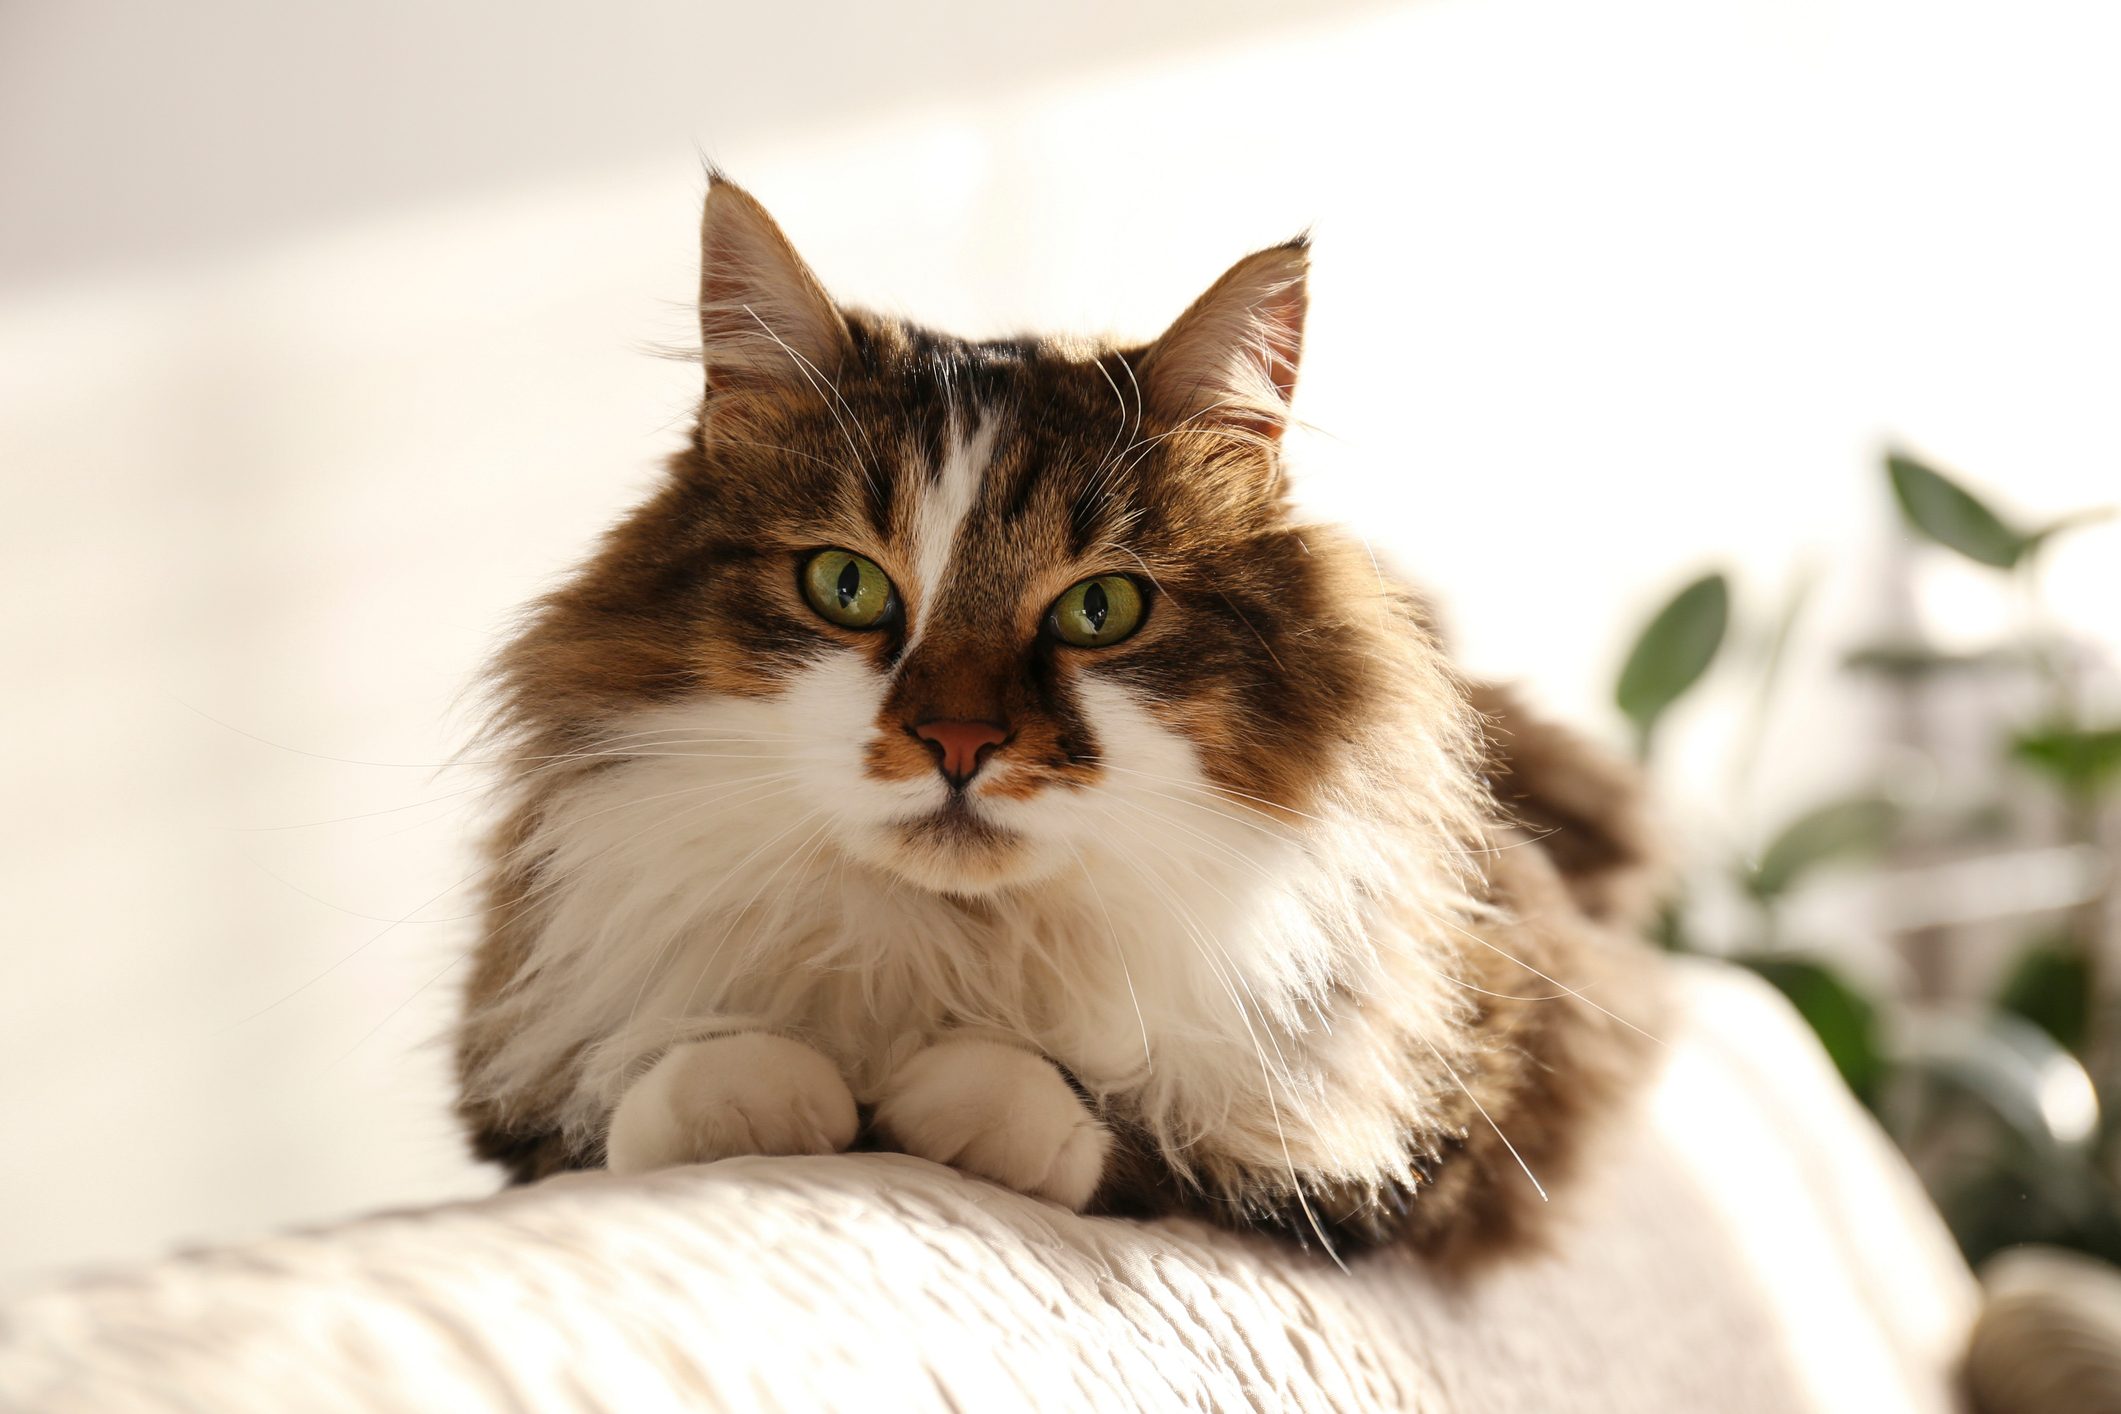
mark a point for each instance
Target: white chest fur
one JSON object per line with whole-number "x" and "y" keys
{"x": 1178, "y": 951}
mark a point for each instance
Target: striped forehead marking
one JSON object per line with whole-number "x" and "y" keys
{"x": 944, "y": 504}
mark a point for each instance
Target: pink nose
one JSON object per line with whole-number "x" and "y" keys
{"x": 960, "y": 746}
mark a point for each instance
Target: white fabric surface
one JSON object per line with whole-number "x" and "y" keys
{"x": 1748, "y": 1242}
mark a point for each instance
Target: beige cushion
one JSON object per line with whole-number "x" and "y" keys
{"x": 1748, "y": 1242}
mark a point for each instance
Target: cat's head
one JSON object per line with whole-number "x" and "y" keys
{"x": 985, "y": 603}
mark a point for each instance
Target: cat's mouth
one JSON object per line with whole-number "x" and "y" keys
{"x": 958, "y": 824}
{"x": 957, "y": 849}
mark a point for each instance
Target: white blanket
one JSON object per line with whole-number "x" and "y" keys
{"x": 1750, "y": 1243}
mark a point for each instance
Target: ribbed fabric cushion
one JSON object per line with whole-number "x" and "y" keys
{"x": 1747, "y": 1242}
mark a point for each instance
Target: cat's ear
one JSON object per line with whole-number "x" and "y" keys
{"x": 1230, "y": 361}
{"x": 764, "y": 318}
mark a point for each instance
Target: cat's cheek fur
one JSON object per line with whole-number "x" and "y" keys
{"x": 751, "y": 1093}
{"x": 828, "y": 711}
{"x": 1000, "y": 1112}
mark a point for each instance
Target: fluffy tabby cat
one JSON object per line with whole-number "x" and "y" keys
{"x": 965, "y": 752}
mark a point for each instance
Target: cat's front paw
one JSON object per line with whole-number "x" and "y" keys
{"x": 751, "y": 1093}
{"x": 999, "y": 1112}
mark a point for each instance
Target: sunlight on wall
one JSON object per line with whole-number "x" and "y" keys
{"x": 1604, "y": 295}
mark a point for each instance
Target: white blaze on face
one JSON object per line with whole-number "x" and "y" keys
{"x": 940, "y": 516}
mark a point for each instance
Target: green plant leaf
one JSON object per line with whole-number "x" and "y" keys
{"x": 2083, "y": 762}
{"x": 1844, "y": 829}
{"x": 1951, "y": 515}
{"x": 1673, "y": 652}
{"x": 1846, "y": 1023}
{"x": 2051, "y": 986}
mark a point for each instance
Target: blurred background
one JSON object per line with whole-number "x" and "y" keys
{"x": 1724, "y": 368}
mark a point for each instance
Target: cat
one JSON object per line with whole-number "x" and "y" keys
{"x": 966, "y": 751}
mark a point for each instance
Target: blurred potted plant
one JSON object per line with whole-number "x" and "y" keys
{"x": 1996, "y": 1099}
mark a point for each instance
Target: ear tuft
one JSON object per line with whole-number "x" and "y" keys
{"x": 764, "y": 318}
{"x": 1229, "y": 362}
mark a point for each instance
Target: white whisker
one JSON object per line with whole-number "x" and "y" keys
{"x": 1536, "y": 1185}
{"x": 1551, "y": 981}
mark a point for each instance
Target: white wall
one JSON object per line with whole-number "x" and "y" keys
{"x": 322, "y": 345}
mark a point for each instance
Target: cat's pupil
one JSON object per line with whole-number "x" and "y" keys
{"x": 850, "y": 584}
{"x": 1096, "y": 607}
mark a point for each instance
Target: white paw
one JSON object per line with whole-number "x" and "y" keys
{"x": 999, "y": 1112}
{"x": 750, "y": 1093}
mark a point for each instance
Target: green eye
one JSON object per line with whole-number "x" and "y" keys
{"x": 847, "y": 589}
{"x": 1098, "y": 612}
